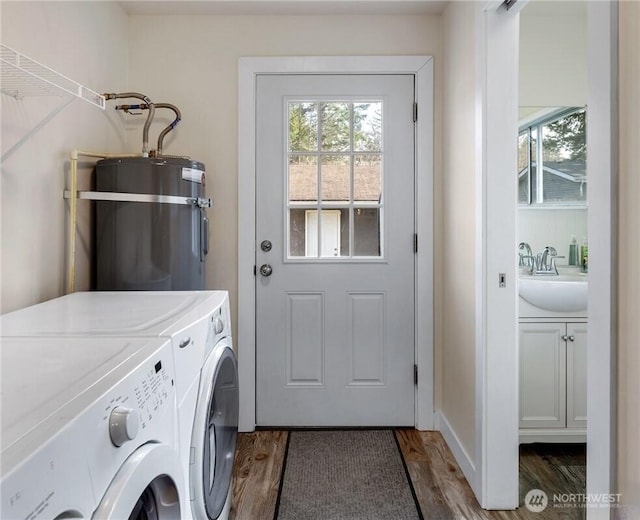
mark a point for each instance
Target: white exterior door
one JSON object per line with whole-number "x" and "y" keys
{"x": 335, "y": 223}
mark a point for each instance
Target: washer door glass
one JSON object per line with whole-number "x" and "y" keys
{"x": 221, "y": 431}
{"x": 145, "y": 508}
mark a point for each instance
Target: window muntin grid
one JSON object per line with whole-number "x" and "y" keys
{"x": 334, "y": 165}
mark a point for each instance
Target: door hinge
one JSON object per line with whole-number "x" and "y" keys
{"x": 415, "y": 375}
{"x": 415, "y": 242}
{"x": 255, "y": 271}
{"x": 415, "y": 112}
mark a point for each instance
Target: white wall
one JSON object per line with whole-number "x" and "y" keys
{"x": 552, "y": 227}
{"x": 629, "y": 260}
{"x": 192, "y": 61}
{"x": 456, "y": 257}
{"x": 86, "y": 42}
{"x": 553, "y": 54}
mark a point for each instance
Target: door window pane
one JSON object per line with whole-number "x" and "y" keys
{"x": 344, "y": 233}
{"x": 335, "y": 119}
{"x": 303, "y": 127}
{"x": 297, "y": 233}
{"x": 367, "y": 178}
{"x": 367, "y": 127}
{"x": 303, "y": 178}
{"x": 366, "y": 232}
{"x": 334, "y": 175}
{"x": 323, "y": 236}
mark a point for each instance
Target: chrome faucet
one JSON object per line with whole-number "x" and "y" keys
{"x": 526, "y": 259}
{"x": 545, "y": 262}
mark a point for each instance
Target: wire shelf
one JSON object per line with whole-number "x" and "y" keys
{"x": 22, "y": 76}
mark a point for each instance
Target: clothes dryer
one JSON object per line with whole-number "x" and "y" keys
{"x": 88, "y": 429}
{"x": 198, "y": 325}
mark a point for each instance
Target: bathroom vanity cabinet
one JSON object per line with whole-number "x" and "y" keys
{"x": 553, "y": 379}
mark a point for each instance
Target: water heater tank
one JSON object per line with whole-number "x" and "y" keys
{"x": 153, "y": 233}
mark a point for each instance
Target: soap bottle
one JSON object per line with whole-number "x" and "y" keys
{"x": 573, "y": 251}
{"x": 584, "y": 255}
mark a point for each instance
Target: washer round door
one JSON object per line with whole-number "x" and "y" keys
{"x": 215, "y": 429}
{"x": 146, "y": 487}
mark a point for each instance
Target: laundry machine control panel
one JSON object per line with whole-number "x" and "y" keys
{"x": 64, "y": 458}
{"x": 140, "y": 409}
{"x": 123, "y": 425}
{"x": 136, "y": 404}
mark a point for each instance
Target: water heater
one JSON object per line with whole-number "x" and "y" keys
{"x": 151, "y": 224}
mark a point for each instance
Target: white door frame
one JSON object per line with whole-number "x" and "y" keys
{"x": 496, "y": 483}
{"x": 602, "y": 225}
{"x": 496, "y": 477}
{"x": 248, "y": 70}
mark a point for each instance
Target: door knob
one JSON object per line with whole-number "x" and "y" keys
{"x": 266, "y": 270}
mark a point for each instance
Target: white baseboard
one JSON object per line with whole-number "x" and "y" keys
{"x": 465, "y": 462}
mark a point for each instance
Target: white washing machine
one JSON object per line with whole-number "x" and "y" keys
{"x": 88, "y": 429}
{"x": 198, "y": 325}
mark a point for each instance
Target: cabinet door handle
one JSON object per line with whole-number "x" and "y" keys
{"x": 572, "y": 338}
{"x": 564, "y": 337}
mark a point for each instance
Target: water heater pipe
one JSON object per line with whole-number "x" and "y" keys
{"x": 147, "y": 123}
{"x": 172, "y": 125}
{"x": 73, "y": 208}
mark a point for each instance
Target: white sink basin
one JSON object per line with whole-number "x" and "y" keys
{"x": 561, "y": 293}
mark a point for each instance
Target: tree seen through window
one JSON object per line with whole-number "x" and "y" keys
{"x": 552, "y": 155}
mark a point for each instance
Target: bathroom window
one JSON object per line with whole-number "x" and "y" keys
{"x": 552, "y": 160}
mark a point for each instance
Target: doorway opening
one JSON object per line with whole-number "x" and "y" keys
{"x": 497, "y": 417}
{"x": 421, "y": 69}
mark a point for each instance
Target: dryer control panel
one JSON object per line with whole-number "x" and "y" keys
{"x": 150, "y": 394}
{"x": 140, "y": 409}
{"x": 99, "y": 400}
{"x": 136, "y": 405}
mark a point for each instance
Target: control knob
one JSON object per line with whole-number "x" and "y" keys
{"x": 218, "y": 325}
{"x": 123, "y": 425}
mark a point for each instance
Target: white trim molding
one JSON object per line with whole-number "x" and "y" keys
{"x": 248, "y": 70}
{"x": 496, "y": 459}
{"x": 602, "y": 168}
{"x": 459, "y": 453}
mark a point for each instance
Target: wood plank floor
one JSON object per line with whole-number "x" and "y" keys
{"x": 442, "y": 490}
{"x": 256, "y": 474}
